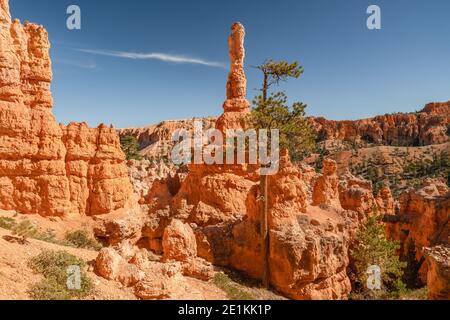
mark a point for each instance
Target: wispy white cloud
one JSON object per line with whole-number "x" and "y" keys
{"x": 154, "y": 56}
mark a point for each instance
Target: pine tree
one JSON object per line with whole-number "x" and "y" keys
{"x": 373, "y": 249}
{"x": 271, "y": 111}
{"x": 130, "y": 147}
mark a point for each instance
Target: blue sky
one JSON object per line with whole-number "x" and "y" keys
{"x": 350, "y": 71}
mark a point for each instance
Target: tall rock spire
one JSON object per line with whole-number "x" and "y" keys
{"x": 236, "y": 107}
{"x": 237, "y": 84}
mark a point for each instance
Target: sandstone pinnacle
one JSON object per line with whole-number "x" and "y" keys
{"x": 236, "y": 107}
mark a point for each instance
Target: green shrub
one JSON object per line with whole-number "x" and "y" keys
{"x": 222, "y": 281}
{"x": 53, "y": 265}
{"x": 24, "y": 230}
{"x": 49, "y": 289}
{"x": 82, "y": 239}
{"x": 7, "y": 223}
{"x": 50, "y": 237}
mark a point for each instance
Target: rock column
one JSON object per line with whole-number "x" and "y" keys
{"x": 236, "y": 107}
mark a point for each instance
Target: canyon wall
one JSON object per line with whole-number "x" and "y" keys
{"x": 46, "y": 168}
{"x": 438, "y": 275}
{"x": 429, "y": 126}
{"x": 155, "y": 141}
{"x": 422, "y": 226}
{"x": 423, "y": 217}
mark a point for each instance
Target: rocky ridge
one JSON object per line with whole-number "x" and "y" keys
{"x": 426, "y": 127}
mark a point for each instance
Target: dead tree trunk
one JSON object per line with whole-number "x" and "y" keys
{"x": 264, "y": 231}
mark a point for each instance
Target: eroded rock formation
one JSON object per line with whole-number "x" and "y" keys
{"x": 426, "y": 127}
{"x": 424, "y": 216}
{"x": 385, "y": 201}
{"x": 236, "y": 107}
{"x": 356, "y": 194}
{"x": 46, "y": 168}
{"x": 438, "y": 276}
{"x": 220, "y": 205}
{"x": 156, "y": 140}
{"x": 308, "y": 244}
{"x": 179, "y": 242}
{"x": 326, "y": 188}
{"x": 423, "y": 222}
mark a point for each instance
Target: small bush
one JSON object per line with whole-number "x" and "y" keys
{"x": 417, "y": 294}
{"x": 81, "y": 239}
{"x": 47, "y": 236}
{"x": 222, "y": 281}
{"x": 24, "y": 230}
{"x": 7, "y": 223}
{"x": 53, "y": 265}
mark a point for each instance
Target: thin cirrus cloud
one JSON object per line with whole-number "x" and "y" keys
{"x": 180, "y": 59}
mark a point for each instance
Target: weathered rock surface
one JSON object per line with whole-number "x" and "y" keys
{"x": 308, "y": 246}
{"x": 150, "y": 276}
{"x": 179, "y": 242}
{"x": 385, "y": 201}
{"x": 144, "y": 173}
{"x": 121, "y": 226}
{"x": 326, "y": 188}
{"x": 214, "y": 194}
{"x": 438, "y": 276}
{"x": 426, "y": 213}
{"x": 426, "y": 127}
{"x": 155, "y": 141}
{"x": 423, "y": 220}
{"x": 110, "y": 265}
{"x": 46, "y": 168}
{"x": 356, "y": 194}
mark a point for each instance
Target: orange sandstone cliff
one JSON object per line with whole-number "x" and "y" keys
{"x": 46, "y": 168}
{"x": 429, "y": 126}
{"x": 422, "y": 226}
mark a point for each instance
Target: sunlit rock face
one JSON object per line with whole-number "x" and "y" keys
{"x": 438, "y": 275}
{"x": 429, "y": 126}
{"x": 46, "y": 168}
{"x": 422, "y": 222}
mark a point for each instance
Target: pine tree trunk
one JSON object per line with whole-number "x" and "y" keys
{"x": 265, "y": 88}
